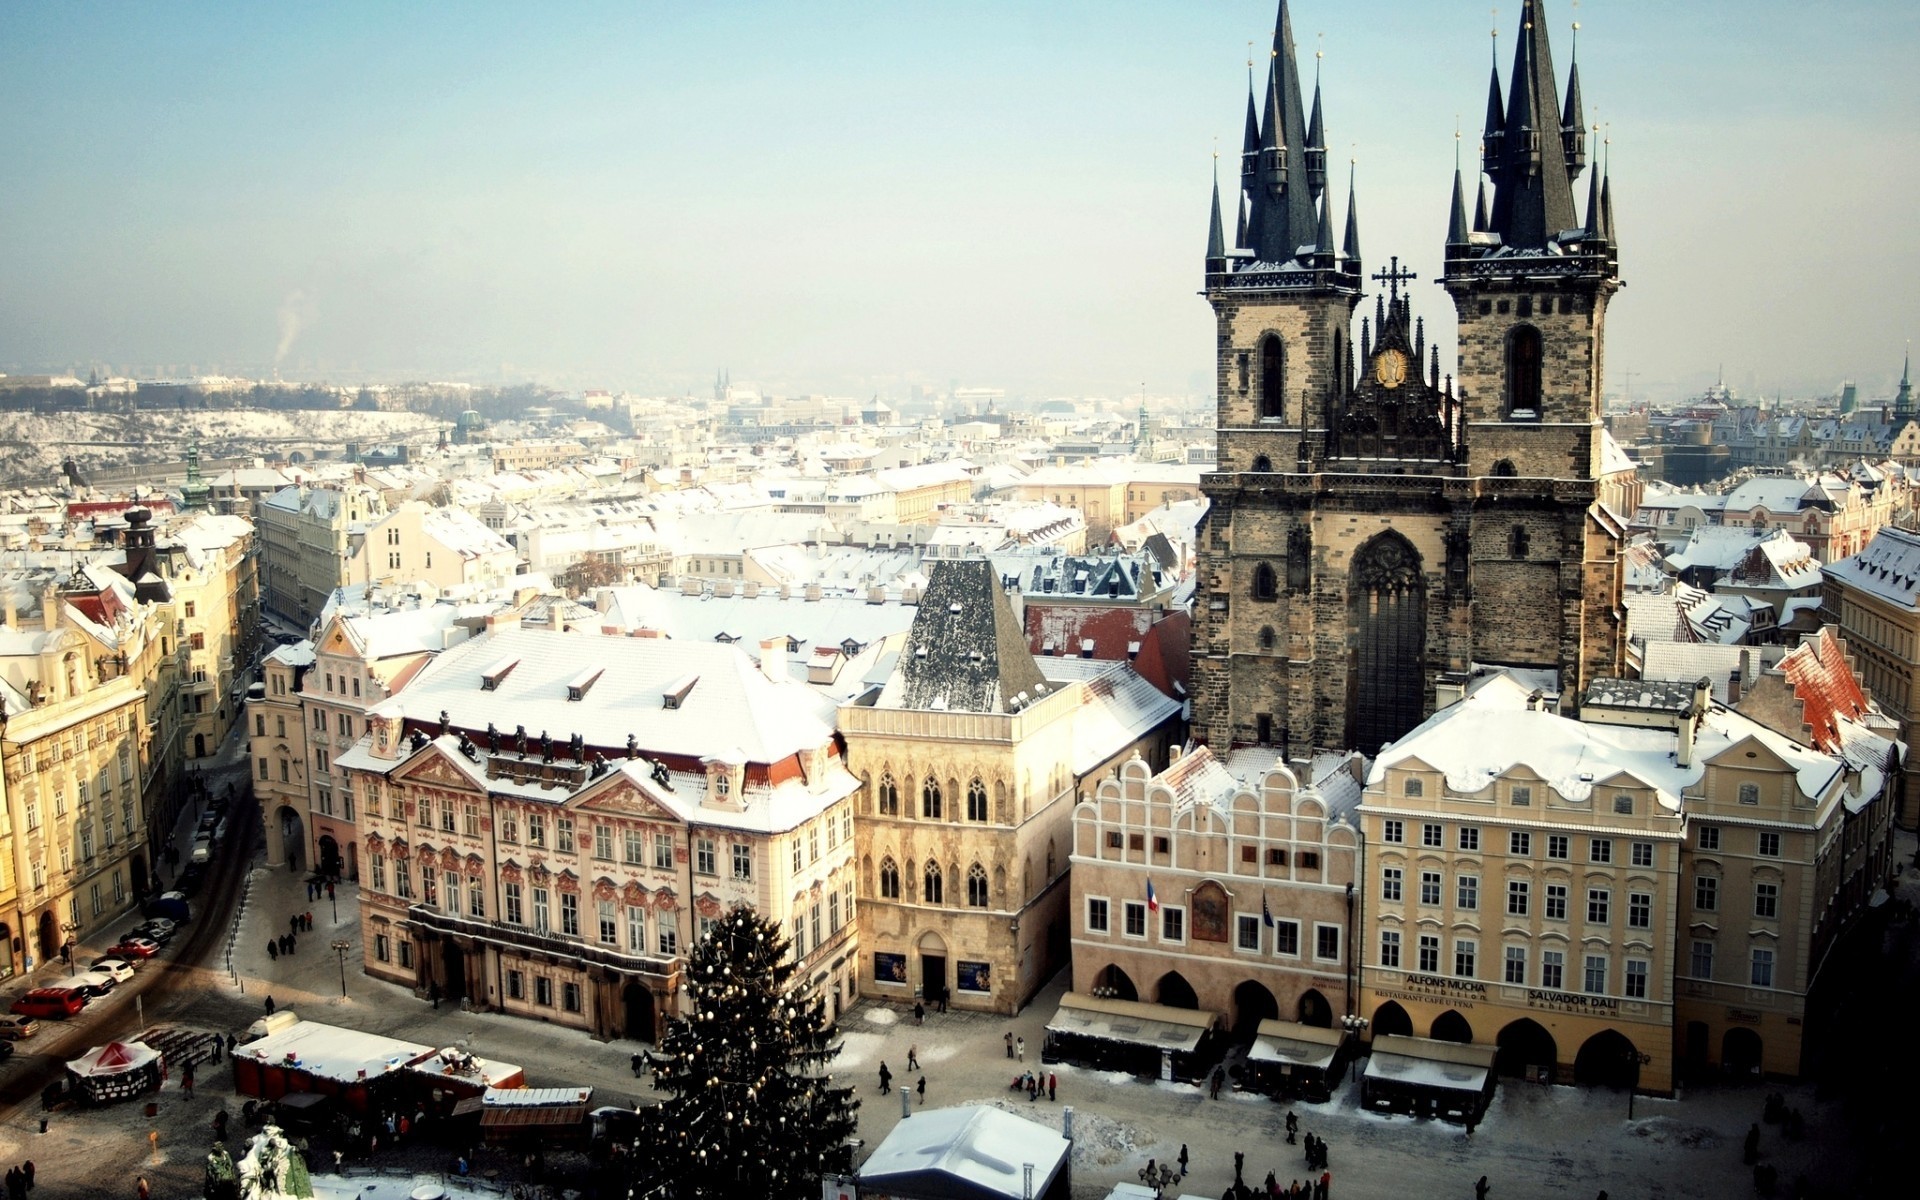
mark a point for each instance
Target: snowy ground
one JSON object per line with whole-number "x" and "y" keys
{"x": 35, "y": 444}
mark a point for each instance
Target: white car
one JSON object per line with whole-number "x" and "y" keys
{"x": 115, "y": 969}
{"x": 92, "y": 983}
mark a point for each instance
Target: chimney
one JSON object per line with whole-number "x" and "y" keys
{"x": 773, "y": 659}
{"x": 603, "y": 600}
{"x": 12, "y": 610}
{"x": 1690, "y": 723}
{"x": 50, "y": 608}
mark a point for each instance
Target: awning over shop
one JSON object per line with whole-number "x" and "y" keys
{"x": 1303, "y": 1047}
{"x": 971, "y": 1152}
{"x": 1156, "y": 1025}
{"x": 530, "y": 1110}
{"x": 1426, "y": 1063}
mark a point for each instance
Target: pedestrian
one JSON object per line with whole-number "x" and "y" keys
{"x": 921, "y": 1088}
{"x": 1033, "y": 1088}
{"x": 1009, "y": 1041}
{"x": 919, "y": 1013}
{"x": 1473, "y": 1119}
{"x": 1293, "y": 1126}
{"x": 1273, "y": 1183}
{"x": 1326, "y": 1186}
{"x": 886, "y": 1079}
{"x": 230, "y": 1045}
{"x": 1751, "y": 1150}
{"x": 306, "y": 923}
{"x": 15, "y": 1188}
{"x": 1480, "y": 1189}
{"x": 329, "y": 889}
{"x": 186, "y": 1079}
{"x": 1219, "y": 1077}
{"x": 269, "y": 1005}
{"x": 1239, "y": 1162}
{"x": 1183, "y": 1161}
{"x": 913, "y": 1057}
{"x": 293, "y": 924}
{"x": 1053, "y": 1085}
{"x": 433, "y": 993}
{"x": 1020, "y": 1048}
{"x": 141, "y": 1190}
{"x": 637, "y": 1060}
{"x": 26, "y": 1172}
{"x": 220, "y": 1126}
{"x": 1150, "y": 1173}
{"x": 273, "y": 950}
{"x": 941, "y": 1000}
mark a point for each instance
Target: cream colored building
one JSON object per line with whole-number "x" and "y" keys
{"x": 970, "y": 760}
{"x": 211, "y": 574}
{"x": 74, "y": 742}
{"x": 1252, "y": 875}
{"x": 418, "y": 543}
{"x": 1111, "y": 492}
{"x": 547, "y": 820}
{"x": 1869, "y": 596}
{"x": 307, "y": 535}
{"x": 277, "y": 743}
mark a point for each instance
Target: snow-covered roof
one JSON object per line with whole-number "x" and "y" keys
{"x": 725, "y": 706}
{"x": 330, "y": 1052}
{"x": 1889, "y": 567}
{"x": 971, "y": 1152}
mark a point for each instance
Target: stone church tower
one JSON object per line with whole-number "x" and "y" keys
{"x": 1378, "y": 529}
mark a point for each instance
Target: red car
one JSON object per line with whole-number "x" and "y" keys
{"x": 56, "y": 1002}
{"x": 137, "y": 947}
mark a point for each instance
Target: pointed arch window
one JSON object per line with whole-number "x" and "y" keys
{"x": 935, "y": 886}
{"x": 1266, "y": 584}
{"x": 1524, "y": 353}
{"x": 889, "y": 879}
{"x": 1273, "y": 378}
{"x": 930, "y": 806}
{"x": 1266, "y": 638}
{"x": 976, "y": 800}
{"x": 889, "y": 796}
{"x": 976, "y": 886}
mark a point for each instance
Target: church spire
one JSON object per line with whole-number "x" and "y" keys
{"x": 1533, "y": 192}
{"x": 1324, "y": 251}
{"x": 1351, "y": 250}
{"x": 1316, "y": 137}
{"x": 1283, "y": 215}
{"x": 1457, "y": 219}
{"x": 1903, "y": 400}
{"x": 1250, "y": 142}
{"x": 1596, "y": 209}
{"x": 1573, "y": 129}
{"x": 1480, "y": 209}
{"x": 1493, "y": 136}
{"x": 1216, "y": 234}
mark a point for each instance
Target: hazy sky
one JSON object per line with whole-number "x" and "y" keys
{"x": 845, "y": 196}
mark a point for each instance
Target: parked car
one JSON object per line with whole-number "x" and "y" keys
{"x": 191, "y": 877}
{"x": 132, "y": 946}
{"x": 157, "y": 929}
{"x": 208, "y": 820}
{"x": 117, "y": 969}
{"x": 55, "y": 1002}
{"x": 93, "y": 984}
{"x": 14, "y": 1029}
{"x": 6, "y": 1051}
{"x": 171, "y": 905}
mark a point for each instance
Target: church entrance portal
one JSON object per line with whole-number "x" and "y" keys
{"x": 1387, "y": 622}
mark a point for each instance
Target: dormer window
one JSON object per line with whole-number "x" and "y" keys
{"x": 675, "y": 694}
{"x": 578, "y": 685}
{"x": 491, "y": 677}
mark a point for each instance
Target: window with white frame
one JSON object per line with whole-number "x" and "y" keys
{"x": 1596, "y": 975}
{"x": 1762, "y": 975}
{"x": 1706, "y": 893}
{"x": 1431, "y": 835}
{"x": 1553, "y": 969}
{"x": 1600, "y": 850}
{"x": 1556, "y": 908}
{"x": 1516, "y": 966}
{"x": 662, "y": 852}
{"x": 1470, "y": 838}
{"x": 1429, "y": 954}
{"x": 1558, "y": 845}
{"x": 1636, "y": 980}
{"x": 1766, "y": 900}
{"x": 1467, "y": 892}
{"x": 1246, "y": 932}
{"x": 1639, "y": 910}
{"x": 1768, "y": 844}
{"x": 1393, "y": 831}
{"x": 1466, "y": 954}
{"x": 1599, "y": 906}
{"x": 1520, "y": 844}
{"x": 1134, "y": 914}
{"x": 1643, "y": 854}
{"x": 510, "y": 896}
{"x": 1430, "y": 887}
{"x": 1097, "y": 915}
{"x": 1517, "y": 897}
{"x": 1389, "y": 948}
{"x": 1286, "y": 938}
{"x": 1390, "y": 878}
{"x": 1326, "y": 942}
{"x": 1709, "y": 837}
{"x": 1700, "y": 961}
{"x": 1173, "y": 923}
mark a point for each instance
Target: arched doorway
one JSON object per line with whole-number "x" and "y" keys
{"x": 1525, "y": 1047}
{"x": 1607, "y": 1059}
{"x": 199, "y": 745}
{"x": 329, "y": 855}
{"x": 638, "y": 1002}
{"x": 1450, "y": 1026}
{"x": 1699, "y": 1040}
{"x": 1115, "y": 984}
{"x": 1314, "y": 1010}
{"x": 933, "y": 966}
{"x": 1387, "y": 627}
{"x": 293, "y": 836}
{"x": 49, "y": 936}
{"x": 1740, "y": 1052}
{"x": 1390, "y": 1020}
{"x": 1252, "y": 1004}
{"x": 453, "y": 971}
{"x": 1174, "y": 991}
{"x": 137, "y": 867}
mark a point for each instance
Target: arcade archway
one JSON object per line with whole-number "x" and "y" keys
{"x": 1115, "y": 983}
{"x": 1174, "y": 991}
{"x": 1525, "y": 1046}
{"x": 1252, "y": 1004}
{"x": 1390, "y": 1020}
{"x": 1607, "y": 1059}
{"x": 1314, "y": 1009}
{"x": 1450, "y": 1026}
{"x": 1740, "y": 1052}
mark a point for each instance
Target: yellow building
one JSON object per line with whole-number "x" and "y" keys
{"x": 970, "y": 760}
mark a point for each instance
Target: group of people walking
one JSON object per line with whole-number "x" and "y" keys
{"x": 20, "y": 1180}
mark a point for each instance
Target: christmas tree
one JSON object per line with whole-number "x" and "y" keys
{"x": 753, "y": 1110}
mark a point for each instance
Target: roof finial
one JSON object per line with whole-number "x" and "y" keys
{"x": 1574, "y": 53}
{"x": 1496, "y": 37}
{"x": 1319, "y": 52}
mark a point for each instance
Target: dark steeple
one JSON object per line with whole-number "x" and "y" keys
{"x": 1457, "y": 219}
{"x": 1351, "y": 251}
{"x": 1573, "y": 130}
{"x": 1283, "y": 217}
{"x": 1494, "y": 135}
{"x": 1596, "y": 209}
{"x": 1216, "y": 235}
{"x": 1480, "y": 210}
{"x": 1903, "y": 399}
{"x": 1240, "y": 231}
{"x": 1606, "y": 210}
{"x": 1533, "y": 189}
{"x": 1316, "y": 141}
{"x": 1250, "y": 144}
{"x": 1324, "y": 248}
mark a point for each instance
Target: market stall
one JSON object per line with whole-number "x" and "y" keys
{"x": 527, "y": 1117}
{"x": 1426, "y": 1078}
{"x": 440, "y": 1081}
{"x": 1152, "y": 1041}
{"x": 315, "y": 1057}
{"x": 970, "y": 1152}
{"x": 115, "y": 1071}
{"x": 1293, "y": 1061}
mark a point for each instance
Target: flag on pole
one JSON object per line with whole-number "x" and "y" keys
{"x": 1266, "y": 914}
{"x": 1153, "y": 904}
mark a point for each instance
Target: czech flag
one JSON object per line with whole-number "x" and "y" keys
{"x": 1153, "y": 902}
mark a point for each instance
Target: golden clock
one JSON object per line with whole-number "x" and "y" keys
{"x": 1390, "y": 368}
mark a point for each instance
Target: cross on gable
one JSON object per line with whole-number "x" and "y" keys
{"x": 1393, "y": 277}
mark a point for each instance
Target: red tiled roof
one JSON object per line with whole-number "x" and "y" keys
{"x": 1824, "y": 683}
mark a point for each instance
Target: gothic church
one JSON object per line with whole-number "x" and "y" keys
{"x": 1378, "y": 529}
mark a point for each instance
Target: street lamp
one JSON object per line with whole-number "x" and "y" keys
{"x": 1636, "y": 1059}
{"x": 1355, "y": 1026}
{"x": 340, "y": 948}
{"x": 71, "y": 948}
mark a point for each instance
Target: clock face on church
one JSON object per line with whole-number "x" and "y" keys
{"x": 1390, "y": 368}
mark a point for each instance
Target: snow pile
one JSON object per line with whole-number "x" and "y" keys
{"x": 1666, "y": 1130}
{"x": 1097, "y": 1141}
